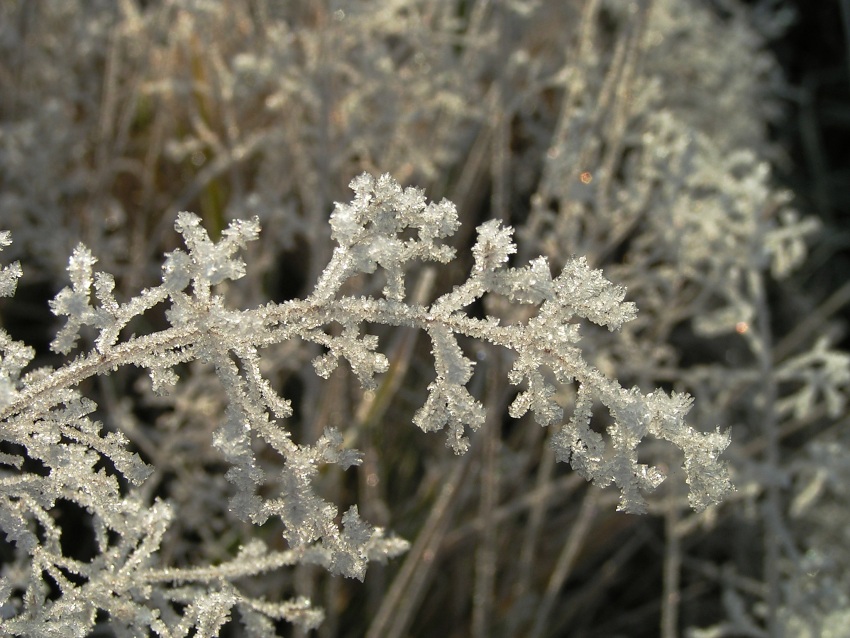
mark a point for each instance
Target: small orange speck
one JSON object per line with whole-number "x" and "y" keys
{"x": 586, "y": 177}
{"x": 741, "y": 327}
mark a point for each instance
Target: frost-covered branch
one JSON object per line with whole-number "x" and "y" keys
{"x": 386, "y": 228}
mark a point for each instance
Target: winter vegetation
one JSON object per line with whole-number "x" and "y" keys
{"x": 484, "y": 322}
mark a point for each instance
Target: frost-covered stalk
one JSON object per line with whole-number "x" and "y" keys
{"x": 57, "y": 452}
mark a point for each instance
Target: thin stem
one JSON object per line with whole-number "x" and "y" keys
{"x": 566, "y": 560}
{"x": 671, "y": 594}
{"x": 485, "y": 556}
{"x": 762, "y": 345}
{"x": 397, "y": 608}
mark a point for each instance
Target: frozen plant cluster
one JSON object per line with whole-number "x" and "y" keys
{"x": 48, "y": 421}
{"x": 208, "y": 432}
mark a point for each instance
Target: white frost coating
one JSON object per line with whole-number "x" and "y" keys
{"x": 385, "y": 228}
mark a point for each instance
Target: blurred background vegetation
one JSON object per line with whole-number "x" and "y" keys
{"x": 582, "y": 124}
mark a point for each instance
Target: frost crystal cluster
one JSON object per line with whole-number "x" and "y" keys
{"x": 59, "y": 452}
